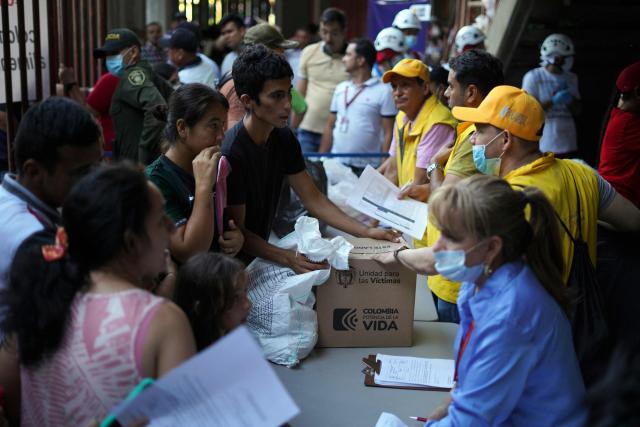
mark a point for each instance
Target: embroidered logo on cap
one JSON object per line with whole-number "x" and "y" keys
{"x": 514, "y": 116}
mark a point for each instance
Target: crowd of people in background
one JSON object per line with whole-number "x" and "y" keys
{"x": 110, "y": 273}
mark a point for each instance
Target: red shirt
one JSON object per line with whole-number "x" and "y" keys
{"x": 620, "y": 154}
{"x": 100, "y": 100}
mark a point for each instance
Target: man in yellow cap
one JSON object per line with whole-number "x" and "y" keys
{"x": 422, "y": 126}
{"x": 509, "y": 125}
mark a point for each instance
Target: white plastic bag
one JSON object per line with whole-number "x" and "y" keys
{"x": 341, "y": 182}
{"x": 282, "y": 316}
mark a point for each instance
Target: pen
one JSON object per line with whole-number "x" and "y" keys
{"x": 421, "y": 419}
{"x": 404, "y": 187}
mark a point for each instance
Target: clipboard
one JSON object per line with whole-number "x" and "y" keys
{"x": 373, "y": 367}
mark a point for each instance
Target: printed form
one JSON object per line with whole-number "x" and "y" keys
{"x": 414, "y": 372}
{"x": 376, "y": 196}
{"x": 228, "y": 384}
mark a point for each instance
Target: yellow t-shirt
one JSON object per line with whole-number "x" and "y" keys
{"x": 461, "y": 164}
{"x": 558, "y": 180}
{"x": 460, "y": 161}
{"x": 323, "y": 73}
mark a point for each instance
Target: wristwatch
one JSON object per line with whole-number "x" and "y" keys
{"x": 397, "y": 251}
{"x": 433, "y": 166}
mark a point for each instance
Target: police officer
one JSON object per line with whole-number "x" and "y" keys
{"x": 138, "y": 94}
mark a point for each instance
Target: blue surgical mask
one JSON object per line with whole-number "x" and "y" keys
{"x": 451, "y": 265}
{"x": 484, "y": 165}
{"x": 410, "y": 41}
{"x": 115, "y": 64}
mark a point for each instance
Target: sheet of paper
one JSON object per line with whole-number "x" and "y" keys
{"x": 389, "y": 420}
{"x": 375, "y": 196}
{"x": 414, "y": 371}
{"x": 228, "y": 384}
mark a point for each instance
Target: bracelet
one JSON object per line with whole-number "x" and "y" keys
{"x": 397, "y": 251}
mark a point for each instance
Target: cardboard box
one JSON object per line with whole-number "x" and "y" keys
{"x": 369, "y": 305}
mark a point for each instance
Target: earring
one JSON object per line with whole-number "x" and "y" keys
{"x": 487, "y": 270}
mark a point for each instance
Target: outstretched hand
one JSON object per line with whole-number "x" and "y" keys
{"x": 420, "y": 192}
{"x": 383, "y": 234}
{"x": 301, "y": 264}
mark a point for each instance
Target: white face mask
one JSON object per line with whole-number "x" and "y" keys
{"x": 452, "y": 265}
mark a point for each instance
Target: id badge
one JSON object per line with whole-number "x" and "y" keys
{"x": 344, "y": 125}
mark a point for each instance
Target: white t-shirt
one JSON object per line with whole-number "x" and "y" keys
{"x": 212, "y": 64}
{"x": 227, "y": 62}
{"x": 200, "y": 72}
{"x": 559, "y": 133}
{"x": 358, "y": 127}
{"x": 16, "y": 224}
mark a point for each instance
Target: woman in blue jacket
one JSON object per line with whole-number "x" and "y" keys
{"x": 515, "y": 361}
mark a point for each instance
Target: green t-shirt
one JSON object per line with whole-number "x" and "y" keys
{"x": 177, "y": 187}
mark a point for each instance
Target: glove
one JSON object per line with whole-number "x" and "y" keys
{"x": 562, "y": 97}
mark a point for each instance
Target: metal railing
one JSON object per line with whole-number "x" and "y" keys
{"x": 73, "y": 29}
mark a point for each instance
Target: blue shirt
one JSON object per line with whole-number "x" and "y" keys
{"x": 519, "y": 367}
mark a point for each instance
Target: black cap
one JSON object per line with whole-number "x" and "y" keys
{"x": 116, "y": 40}
{"x": 183, "y": 39}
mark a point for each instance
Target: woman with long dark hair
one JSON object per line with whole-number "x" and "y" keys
{"x": 85, "y": 329}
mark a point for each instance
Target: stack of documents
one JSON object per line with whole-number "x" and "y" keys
{"x": 400, "y": 371}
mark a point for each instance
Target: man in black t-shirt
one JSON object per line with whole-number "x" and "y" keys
{"x": 262, "y": 150}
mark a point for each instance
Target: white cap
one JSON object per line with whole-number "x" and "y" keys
{"x": 557, "y": 44}
{"x": 390, "y": 38}
{"x": 468, "y": 35}
{"x": 406, "y": 19}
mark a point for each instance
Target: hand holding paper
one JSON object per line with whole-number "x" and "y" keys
{"x": 377, "y": 197}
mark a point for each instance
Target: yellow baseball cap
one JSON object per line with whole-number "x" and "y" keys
{"x": 408, "y": 68}
{"x": 507, "y": 108}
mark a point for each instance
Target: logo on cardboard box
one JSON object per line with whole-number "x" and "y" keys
{"x": 345, "y": 278}
{"x": 344, "y": 319}
{"x": 373, "y": 319}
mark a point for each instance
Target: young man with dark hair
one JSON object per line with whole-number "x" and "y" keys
{"x": 362, "y": 110}
{"x": 232, "y": 29}
{"x": 183, "y": 52}
{"x": 321, "y": 69}
{"x": 58, "y": 142}
{"x": 262, "y": 150}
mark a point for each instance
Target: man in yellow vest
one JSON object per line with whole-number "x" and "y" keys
{"x": 422, "y": 126}
{"x": 471, "y": 77}
{"x": 509, "y": 124}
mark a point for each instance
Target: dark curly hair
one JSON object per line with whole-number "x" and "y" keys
{"x": 254, "y": 66}
{"x": 50, "y": 125}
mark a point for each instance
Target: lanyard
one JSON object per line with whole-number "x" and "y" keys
{"x": 463, "y": 345}
{"x": 346, "y": 91}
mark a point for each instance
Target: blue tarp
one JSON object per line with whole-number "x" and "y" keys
{"x": 381, "y": 13}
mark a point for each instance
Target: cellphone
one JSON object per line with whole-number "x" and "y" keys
{"x": 146, "y": 382}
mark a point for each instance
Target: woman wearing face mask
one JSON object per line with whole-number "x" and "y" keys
{"x": 515, "y": 361}
{"x": 139, "y": 92}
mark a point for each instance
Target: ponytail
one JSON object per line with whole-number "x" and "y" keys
{"x": 543, "y": 254}
{"x": 39, "y": 298}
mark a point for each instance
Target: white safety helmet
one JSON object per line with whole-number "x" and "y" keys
{"x": 390, "y": 38}
{"x": 557, "y": 45}
{"x": 468, "y": 35}
{"x": 406, "y": 19}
